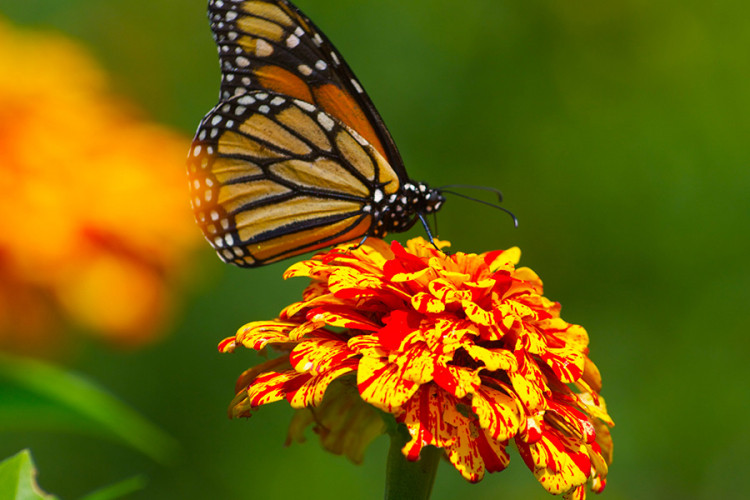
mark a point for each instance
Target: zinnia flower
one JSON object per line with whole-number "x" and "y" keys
{"x": 463, "y": 349}
{"x": 94, "y": 224}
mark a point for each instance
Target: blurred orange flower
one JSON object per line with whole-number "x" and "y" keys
{"x": 95, "y": 224}
{"x": 463, "y": 349}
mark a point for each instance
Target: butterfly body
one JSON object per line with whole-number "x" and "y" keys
{"x": 294, "y": 157}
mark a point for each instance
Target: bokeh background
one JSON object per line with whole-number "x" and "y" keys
{"x": 620, "y": 135}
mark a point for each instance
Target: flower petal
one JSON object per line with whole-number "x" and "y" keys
{"x": 274, "y": 386}
{"x": 320, "y": 354}
{"x": 559, "y": 463}
{"x": 473, "y": 452}
{"x": 311, "y": 392}
{"x": 342, "y": 317}
{"x": 498, "y": 413}
{"x": 258, "y": 334}
{"x": 426, "y": 417}
{"x": 383, "y": 385}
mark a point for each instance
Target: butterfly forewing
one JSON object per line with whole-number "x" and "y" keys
{"x": 272, "y": 176}
{"x": 271, "y": 45}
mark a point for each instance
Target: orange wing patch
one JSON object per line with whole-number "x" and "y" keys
{"x": 343, "y": 106}
{"x": 284, "y": 82}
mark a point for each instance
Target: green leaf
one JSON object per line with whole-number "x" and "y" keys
{"x": 37, "y": 395}
{"x": 18, "y": 479}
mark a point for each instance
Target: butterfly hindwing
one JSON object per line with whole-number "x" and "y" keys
{"x": 272, "y": 176}
{"x": 271, "y": 45}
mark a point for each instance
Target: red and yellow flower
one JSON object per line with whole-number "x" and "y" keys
{"x": 463, "y": 349}
{"x": 94, "y": 228}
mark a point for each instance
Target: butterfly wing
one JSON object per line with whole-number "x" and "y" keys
{"x": 272, "y": 176}
{"x": 295, "y": 157}
{"x": 271, "y": 45}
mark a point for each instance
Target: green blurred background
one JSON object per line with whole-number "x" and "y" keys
{"x": 619, "y": 133}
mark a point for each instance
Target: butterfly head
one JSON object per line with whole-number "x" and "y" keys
{"x": 399, "y": 211}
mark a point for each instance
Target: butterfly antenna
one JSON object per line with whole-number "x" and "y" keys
{"x": 493, "y": 205}
{"x": 472, "y": 186}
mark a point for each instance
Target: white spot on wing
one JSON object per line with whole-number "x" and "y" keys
{"x": 305, "y": 105}
{"x": 292, "y": 41}
{"x": 246, "y": 100}
{"x": 357, "y": 86}
{"x": 263, "y": 48}
{"x": 304, "y": 69}
{"x": 326, "y": 121}
{"x": 242, "y": 61}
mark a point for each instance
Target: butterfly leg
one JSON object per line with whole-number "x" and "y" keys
{"x": 427, "y": 230}
{"x": 361, "y": 242}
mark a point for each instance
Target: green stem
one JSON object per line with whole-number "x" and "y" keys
{"x": 405, "y": 480}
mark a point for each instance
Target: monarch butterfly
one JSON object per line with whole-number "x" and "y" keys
{"x": 294, "y": 157}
